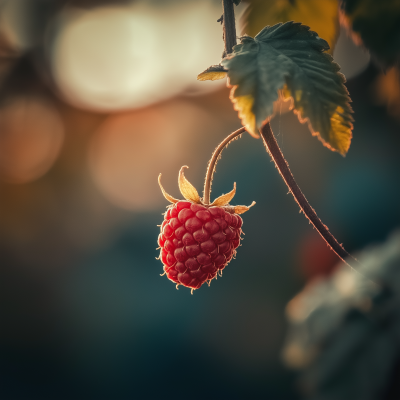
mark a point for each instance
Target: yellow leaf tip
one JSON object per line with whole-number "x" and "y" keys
{"x": 213, "y": 73}
{"x": 211, "y": 76}
{"x": 253, "y": 134}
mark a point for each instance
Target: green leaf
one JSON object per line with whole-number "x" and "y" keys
{"x": 291, "y": 60}
{"x": 376, "y": 25}
{"x": 213, "y": 73}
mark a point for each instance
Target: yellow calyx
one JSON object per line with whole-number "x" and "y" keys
{"x": 190, "y": 193}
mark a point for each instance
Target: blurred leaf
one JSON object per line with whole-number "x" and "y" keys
{"x": 212, "y": 73}
{"x": 376, "y": 25}
{"x": 344, "y": 329}
{"x": 290, "y": 58}
{"x": 320, "y": 16}
{"x": 386, "y": 91}
{"x": 237, "y": 2}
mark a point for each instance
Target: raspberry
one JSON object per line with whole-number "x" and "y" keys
{"x": 197, "y": 241}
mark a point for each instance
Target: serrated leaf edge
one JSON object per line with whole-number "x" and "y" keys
{"x": 244, "y": 106}
{"x": 342, "y": 150}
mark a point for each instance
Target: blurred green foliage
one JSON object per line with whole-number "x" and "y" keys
{"x": 345, "y": 330}
{"x": 376, "y": 25}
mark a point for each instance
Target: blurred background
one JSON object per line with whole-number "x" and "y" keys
{"x": 96, "y": 99}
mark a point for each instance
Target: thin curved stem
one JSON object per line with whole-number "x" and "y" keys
{"x": 213, "y": 162}
{"x": 283, "y": 168}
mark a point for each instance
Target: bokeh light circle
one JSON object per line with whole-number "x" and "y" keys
{"x": 352, "y": 59}
{"x": 119, "y": 57}
{"x": 129, "y": 151}
{"x": 31, "y": 136}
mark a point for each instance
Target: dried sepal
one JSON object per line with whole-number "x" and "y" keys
{"x": 238, "y": 209}
{"x": 188, "y": 191}
{"x": 165, "y": 194}
{"x": 243, "y": 209}
{"x": 225, "y": 198}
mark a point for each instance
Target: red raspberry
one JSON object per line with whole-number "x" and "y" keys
{"x": 197, "y": 240}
